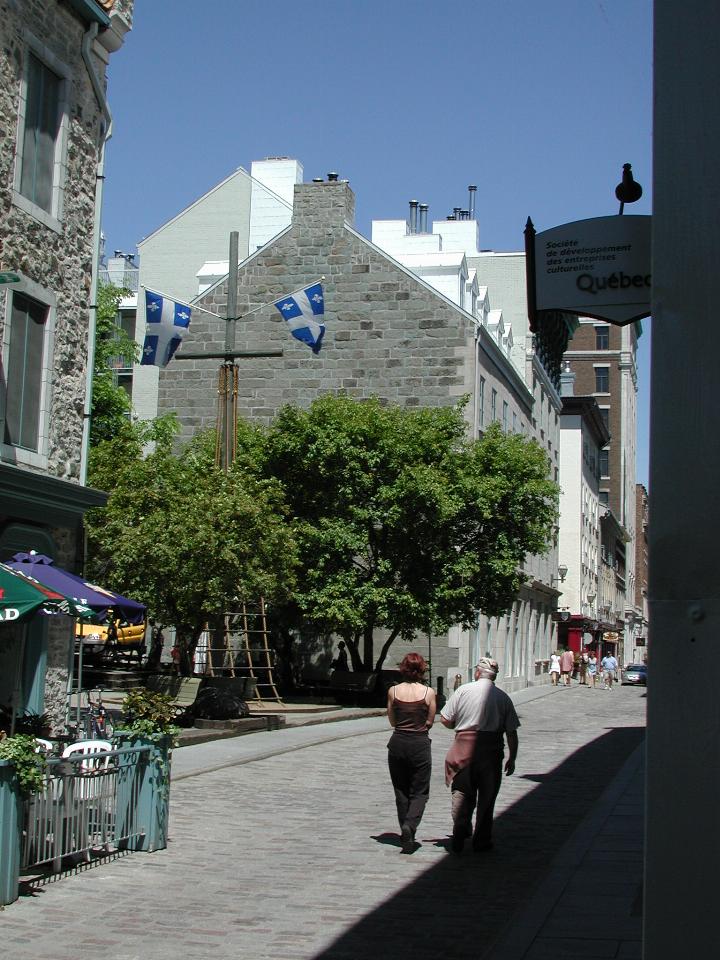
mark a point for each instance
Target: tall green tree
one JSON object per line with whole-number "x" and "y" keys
{"x": 402, "y": 522}
{"x": 187, "y": 539}
{"x": 111, "y": 407}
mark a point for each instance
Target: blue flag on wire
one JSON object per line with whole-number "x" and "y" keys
{"x": 300, "y": 309}
{"x": 166, "y": 322}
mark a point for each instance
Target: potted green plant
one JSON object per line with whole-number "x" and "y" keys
{"x": 21, "y": 751}
{"x": 149, "y": 714}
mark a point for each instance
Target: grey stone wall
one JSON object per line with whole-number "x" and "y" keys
{"x": 61, "y": 634}
{"x": 387, "y": 334}
{"x": 61, "y": 261}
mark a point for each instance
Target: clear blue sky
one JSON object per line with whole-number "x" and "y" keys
{"x": 538, "y": 102}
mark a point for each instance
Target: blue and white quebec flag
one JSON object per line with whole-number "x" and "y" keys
{"x": 166, "y": 322}
{"x": 300, "y": 309}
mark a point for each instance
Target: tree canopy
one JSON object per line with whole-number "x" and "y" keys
{"x": 403, "y": 523}
{"x": 350, "y": 517}
{"x": 185, "y": 538}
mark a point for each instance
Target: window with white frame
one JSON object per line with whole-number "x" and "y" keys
{"x": 602, "y": 379}
{"x": 602, "y": 338}
{"x": 605, "y": 462}
{"x": 481, "y": 404}
{"x": 505, "y": 416}
{"x": 39, "y": 169}
{"x": 493, "y": 405}
{"x": 25, "y": 359}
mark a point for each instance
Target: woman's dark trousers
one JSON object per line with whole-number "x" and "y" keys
{"x": 410, "y": 766}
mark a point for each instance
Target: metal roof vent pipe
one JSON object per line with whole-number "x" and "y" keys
{"x": 423, "y": 218}
{"x": 472, "y": 190}
{"x": 456, "y": 213}
{"x": 318, "y": 180}
{"x": 332, "y": 178}
{"x": 412, "y": 222}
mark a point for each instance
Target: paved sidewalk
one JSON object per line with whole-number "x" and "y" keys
{"x": 284, "y": 846}
{"x": 597, "y": 874}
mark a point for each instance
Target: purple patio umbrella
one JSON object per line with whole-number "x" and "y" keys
{"x": 99, "y": 599}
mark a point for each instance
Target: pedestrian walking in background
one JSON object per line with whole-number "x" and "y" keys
{"x": 175, "y": 657}
{"x": 157, "y": 642}
{"x": 567, "y": 662}
{"x": 554, "y": 668}
{"x": 481, "y": 716}
{"x": 583, "y": 668}
{"x": 609, "y": 667}
{"x": 592, "y": 669}
{"x": 341, "y": 661}
{"x": 411, "y": 709}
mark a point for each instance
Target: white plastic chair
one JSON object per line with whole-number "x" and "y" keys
{"x": 87, "y": 789}
{"x": 91, "y": 809}
{"x": 43, "y": 746}
{"x": 87, "y": 747}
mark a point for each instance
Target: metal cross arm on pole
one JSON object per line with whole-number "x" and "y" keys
{"x": 181, "y": 355}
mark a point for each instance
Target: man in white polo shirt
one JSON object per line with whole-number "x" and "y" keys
{"x": 480, "y": 714}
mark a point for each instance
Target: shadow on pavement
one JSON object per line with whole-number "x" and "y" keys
{"x": 391, "y": 839}
{"x": 456, "y": 910}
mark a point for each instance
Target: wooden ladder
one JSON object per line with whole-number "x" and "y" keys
{"x": 254, "y": 650}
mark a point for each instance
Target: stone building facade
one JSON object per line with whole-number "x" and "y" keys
{"x": 389, "y": 334}
{"x": 53, "y": 110}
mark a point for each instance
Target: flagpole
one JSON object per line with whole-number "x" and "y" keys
{"x": 167, "y": 296}
{"x": 230, "y": 412}
{"x": 228, "y": 374}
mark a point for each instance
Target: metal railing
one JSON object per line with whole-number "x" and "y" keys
{"x": 90, "y": 805}
{"x": 128, "y": 279}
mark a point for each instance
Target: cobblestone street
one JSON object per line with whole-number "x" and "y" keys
{"x": 296, "y": 856}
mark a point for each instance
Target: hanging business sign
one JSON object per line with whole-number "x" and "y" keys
{"x": 596, "y": 268}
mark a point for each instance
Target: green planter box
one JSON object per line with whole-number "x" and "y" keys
{"x": 10, "y": 826}
{"x": 146, "y": 786}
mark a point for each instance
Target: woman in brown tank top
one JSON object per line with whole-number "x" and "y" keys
{"x": 411, "y": 711}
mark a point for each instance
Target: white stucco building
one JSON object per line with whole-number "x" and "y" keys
{"x": 583, "y": 434}
{"x": 189, "y": 253}
{"x": 491, "y": 287}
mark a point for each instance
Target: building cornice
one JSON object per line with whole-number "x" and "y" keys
{"x": 609, "y": 518}
{"x": 90, "y": 12}
{"x": 587, "y": 408}
{"x": 36, "y": 496}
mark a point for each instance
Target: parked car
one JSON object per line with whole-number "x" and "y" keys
{"x": 635, "y": 674}
{"x": 94, "y": 639}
